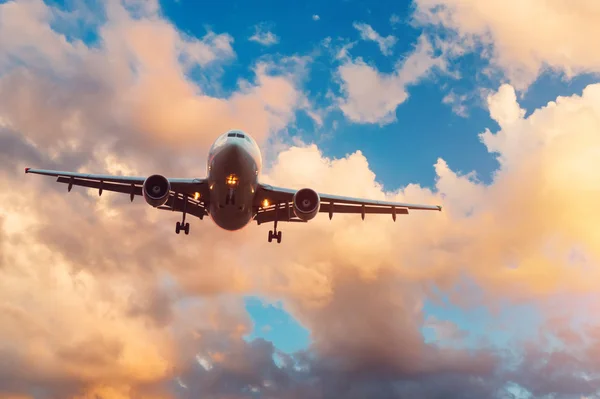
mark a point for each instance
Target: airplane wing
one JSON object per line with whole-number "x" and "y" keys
{"x": 280, "y": 204}
{"x": 182, "y": 189}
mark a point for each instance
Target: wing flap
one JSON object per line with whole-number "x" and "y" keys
{"x": 283, "y": 213}
{"x": 278, "y": 194}
{"x": 115, "y": 187}
{"x": 358, "y": 209}
{"x": 87, "y": 176}
{"x": 176, "y": 204}
{"x": 189, "y": 186}
{"x": 286, "y": 214}
{"x": 329, "y": 204}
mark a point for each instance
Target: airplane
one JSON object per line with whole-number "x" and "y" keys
{"x": 231, "y": 193}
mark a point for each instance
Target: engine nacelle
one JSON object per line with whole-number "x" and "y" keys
{"x": 156, "y": 190}
{"x": 306, "y": 204}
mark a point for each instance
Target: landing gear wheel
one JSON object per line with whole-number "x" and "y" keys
{"x": 187, "y": 229}
{"x": 177, "y": 227}
{"x": 275, "y": 235}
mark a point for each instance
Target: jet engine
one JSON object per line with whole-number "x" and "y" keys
{"x": 156, "y": 190}
{"x": 306, "y": 204}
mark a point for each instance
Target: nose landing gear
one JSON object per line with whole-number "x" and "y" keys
{"x": 230, "y": 198}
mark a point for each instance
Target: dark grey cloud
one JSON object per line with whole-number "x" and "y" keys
{"x": 306, "y": 375}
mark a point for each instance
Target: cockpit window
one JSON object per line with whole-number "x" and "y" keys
{"x": 236, "y": 134}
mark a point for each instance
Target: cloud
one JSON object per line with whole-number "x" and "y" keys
{"x": 547, "y": 162}
{"x": 368, "y": 33}
{"x": 457, "y": 102}
{"x": 445, "y": 331}
{"x": 523, "y": 40}
{"x": 370, "y": 96}
{"x": 99, "y": 297}
{"x": 28, "y": 23}
{"x": 132, "y": 86}
{"x": 122, "y": 300}
{"x": 316, "y": 17}
{"x": 503, "y": 106}
{"x": 513, "y": 238}
{"x": 263, "y": 36}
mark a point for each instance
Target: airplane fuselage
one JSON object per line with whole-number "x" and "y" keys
{"x": 234, "y": 164}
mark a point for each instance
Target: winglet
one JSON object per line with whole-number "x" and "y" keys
{"x": 27, "y": 170}
{"x": 440, "y": 208}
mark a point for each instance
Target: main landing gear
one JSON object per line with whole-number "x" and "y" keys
{"x": 183, "y": 225}
{"x": 274, "y": 233}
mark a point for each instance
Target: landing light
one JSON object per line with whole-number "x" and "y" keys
{"x": 265, "y": 203}
{"x": 232, "y": 180}
{"x": 196, "y": 196}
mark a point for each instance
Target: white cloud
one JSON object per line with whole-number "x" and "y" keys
{"x": 315, "y": 17}
{"x": 210, "y": 48}
{"x": 394, "y": 20}
{"x": 368, "y": 33}
{"x": 264, "y": 36}
{"x": 503, "y": 106}
{"x": 523, "y": 38}
{"x": 342, "y": 54}
{"x": 370, "y": 96}
{"x": 457, "y": 102}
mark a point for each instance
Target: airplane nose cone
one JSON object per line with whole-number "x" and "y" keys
{"x": 233, "y": 151}
{"x": 236, "y": 149}
{"x": 232, "y": 154}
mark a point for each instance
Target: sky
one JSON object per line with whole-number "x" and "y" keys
{"x": 490, "y": 109}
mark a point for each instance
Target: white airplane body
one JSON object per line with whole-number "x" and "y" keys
{"x": 234, "y": 163}
{"x": 231, "y": 194}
